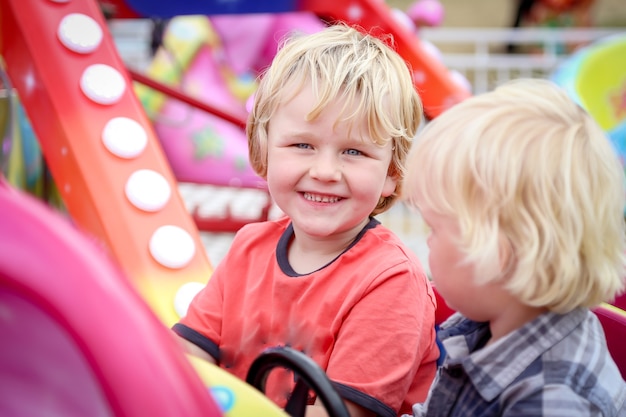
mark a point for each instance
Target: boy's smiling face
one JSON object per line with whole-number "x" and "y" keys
{"x": 325, "y": 176}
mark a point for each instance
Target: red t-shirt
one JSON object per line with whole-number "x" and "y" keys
{"x": 367, "y": 318}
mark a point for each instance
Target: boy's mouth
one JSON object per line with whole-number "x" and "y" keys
{"x": 319, "y": 198}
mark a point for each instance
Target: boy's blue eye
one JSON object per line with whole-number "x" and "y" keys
{"x": 302, "y": 145}
{"x": 354, "y": 152}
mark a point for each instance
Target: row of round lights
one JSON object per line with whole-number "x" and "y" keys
{"x": 146, "y": 189}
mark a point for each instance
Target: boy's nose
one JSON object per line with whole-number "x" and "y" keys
{"x": 326, "y": 168}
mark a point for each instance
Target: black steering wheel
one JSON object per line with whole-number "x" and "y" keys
{"x": 308, "y": 376}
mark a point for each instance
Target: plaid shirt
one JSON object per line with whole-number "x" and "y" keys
{"x": 555, "y": 365}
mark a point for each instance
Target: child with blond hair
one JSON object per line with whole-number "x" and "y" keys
{"x": 330, "y": 128}
{"x": 524, "y": 197}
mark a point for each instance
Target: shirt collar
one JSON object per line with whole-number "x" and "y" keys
{"x": 492, "y": 368}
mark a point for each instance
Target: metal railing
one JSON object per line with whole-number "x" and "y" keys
{"x": 477, "y": 53}
{"x": 480, "y": 54}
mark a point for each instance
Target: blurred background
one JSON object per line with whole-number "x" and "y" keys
{"x": 500, "y": 13}
{"x": 474, "y": 39}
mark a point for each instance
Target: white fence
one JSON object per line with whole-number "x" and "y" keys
{"x": 480, "y": 54}
{"x": 477, "y": 53}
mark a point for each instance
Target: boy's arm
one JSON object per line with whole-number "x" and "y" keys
{"x": 195, "y": 350}
{"x": 318, "y": 410}
{"x": 550, "y": 399}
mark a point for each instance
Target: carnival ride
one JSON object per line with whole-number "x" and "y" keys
{"x": 128, "y": 248}
{"x": 595, "y": 77}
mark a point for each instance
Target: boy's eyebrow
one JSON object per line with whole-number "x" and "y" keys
{"x": 307, "y": 135}
{"x": 295, "y": 134}
{"x": 362, "y": 140}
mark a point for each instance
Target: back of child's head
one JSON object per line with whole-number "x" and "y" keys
{"x": 341, "y": 61}
{"x": 526, "y": 166}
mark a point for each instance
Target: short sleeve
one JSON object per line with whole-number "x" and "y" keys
{"x": 205, "y": 312}
{"x": 387, "y": 337}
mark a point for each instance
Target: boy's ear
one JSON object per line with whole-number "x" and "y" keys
{"x": 506, "y": 255}
{"x": 391, "y": 182}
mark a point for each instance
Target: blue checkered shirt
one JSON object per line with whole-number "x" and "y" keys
{"x": 555, "y": 365}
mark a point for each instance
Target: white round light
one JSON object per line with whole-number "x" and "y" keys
{"x": 172, "y": 246}
{"x": 148, "y": 190}
{"x": 102, "y": 84}
{"x": 80, "y": 33}
{"x": 403, "y": 19}
{"x": 419, "y": 77}
{"x": 124, "y": 137}
{"x": 355, "y": 12}
{"x": 184, "y": 295}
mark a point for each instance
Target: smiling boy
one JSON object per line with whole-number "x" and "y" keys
{"x": 330, "y": 128}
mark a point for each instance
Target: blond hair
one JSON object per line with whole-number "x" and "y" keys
{"x": 526, "y": 164}
{"x": 341, "y": 61}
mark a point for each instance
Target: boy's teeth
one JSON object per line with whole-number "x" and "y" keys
{"x": 320, "y": 198}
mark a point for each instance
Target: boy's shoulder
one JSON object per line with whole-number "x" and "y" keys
{"x": 575, "y": 367}
{"x": 259, "y": 235}
{"x": 566, "y": 352}
{"x": 380, "y": 253}
{"x": 379, "y": 239}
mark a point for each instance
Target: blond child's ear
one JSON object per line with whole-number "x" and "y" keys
{"x": 391, "y": 182}
{"x": 506, "y": 255}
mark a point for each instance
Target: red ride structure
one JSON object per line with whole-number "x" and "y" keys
{"x": 100, "y": 146}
